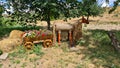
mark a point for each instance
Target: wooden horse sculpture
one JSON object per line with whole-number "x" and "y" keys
{"x": 84, "y": 20}
{"x": 74, "y": 31}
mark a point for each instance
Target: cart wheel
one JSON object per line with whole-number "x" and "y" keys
{"x": 47, "y": 43}
{"x": 28, "y": 45}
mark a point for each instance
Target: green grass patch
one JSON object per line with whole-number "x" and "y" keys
{"x": 99, "y": 47}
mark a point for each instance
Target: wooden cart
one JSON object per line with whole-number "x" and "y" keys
{"x": 46, "y": 39}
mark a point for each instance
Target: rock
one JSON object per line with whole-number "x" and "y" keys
{"x": 3, "y": 56}
{"x": 74, "y": 49}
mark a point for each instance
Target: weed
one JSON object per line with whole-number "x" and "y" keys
{"x": 79, "y": 66}
{"x": 1, "y": 65}
{"x": 19, "y": 52}
{"x": 33, "y": 59}
{"x": 13, "y": 54}
{"x": 24, "y": 65}
{"x": 35, "y": 65}
{"x": 37, "y": 50}
{"x": 65, "y": 48}
{"x": 16, "y": 61}
{"x": 56, "y": 45}
{"x": 81, "y": 41}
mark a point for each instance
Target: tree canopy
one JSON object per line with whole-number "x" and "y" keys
{"x": 1, "y": 10}
{"x": 32, "y": 10}
{"x": 116, "y": 3}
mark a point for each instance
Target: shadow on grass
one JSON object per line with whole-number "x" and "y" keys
{"x": 99, "y": 50}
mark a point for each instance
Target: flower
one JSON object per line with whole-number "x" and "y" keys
{"x": 43, "y": 35}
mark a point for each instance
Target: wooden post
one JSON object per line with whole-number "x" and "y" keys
{"x": 70, "y": 37}
{"x": 54, "y": 34}
{"x": 59, "y": 37}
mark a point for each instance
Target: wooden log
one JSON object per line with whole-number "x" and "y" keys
{"x": 54, "y": 34}
{"x": 114, "y": 41}
{"x": 71, "y": 38}
{"x": 59, "y": 37}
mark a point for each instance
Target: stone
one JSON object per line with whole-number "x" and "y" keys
{"x": 3, "y": 56}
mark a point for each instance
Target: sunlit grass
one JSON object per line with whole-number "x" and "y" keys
{"x": 100, "y": 51}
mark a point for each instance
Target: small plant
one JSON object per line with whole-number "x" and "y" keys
{"x": 33, "y": 59}
{"x": 24, "y": 65}
{"x": 37, "y": 50}
{"x": 16, "y": 61}
{"x": 65, "y": 48}
{"x": 79, "y": 66}
{"x": 1, "y": 65}
{"x": 19, "y": 52}
{"x": 81, "y": 42}
{"x": 13, "y": 54}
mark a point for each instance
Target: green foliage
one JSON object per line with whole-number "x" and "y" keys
{"x": 7, "y": 22}
{"x": 37, "y": 50}
{"x": 80, "y": 66}
{"x": 19, "y": 53}
{"x": 24, "y": 65}
{"x": 100, "y": 52}
{"x": 1, "y": 65}
{"x": 32, "y": 10}
{"x": 117, "y": 33}
{"x": 116, "y": 3}
{"x": 22, "y": 52}
{"x": 1, "y": 52}
{"x": 33, "y": 59}
{"x": 90, "y": 8}
{"x": 16, "y": 61}
{"x": 81, "y": 42}
{"x": 1, "y": 10}
{"x": 4, "y": 31}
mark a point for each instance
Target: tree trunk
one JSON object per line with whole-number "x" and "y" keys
{"x": 88, "y": 19}
{"x": 48, "y": 20}
{"x": 48, "y": 24}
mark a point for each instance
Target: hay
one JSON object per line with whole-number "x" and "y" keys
{"x": 63, "y": 26}
{"x": 12, "y": 41}
{"x": 7, "y": 45}
{"x": 77, "y": 32}
{"x": 15, "y": 34}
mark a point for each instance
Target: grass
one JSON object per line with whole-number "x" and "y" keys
{"x": 21, "y": 52}
{"x": 1, "y": 65}
{"x": 24, "y": 65}
{"x": 99, "y": 47}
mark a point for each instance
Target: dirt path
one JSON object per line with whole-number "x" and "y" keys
{"x": 107, "y": 27}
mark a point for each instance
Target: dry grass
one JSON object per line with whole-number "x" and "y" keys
{"x": 10, "y": 43}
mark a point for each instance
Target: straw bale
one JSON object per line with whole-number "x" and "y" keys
{"x": 15, "y": 34}
{"x": 7, "y": 45}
